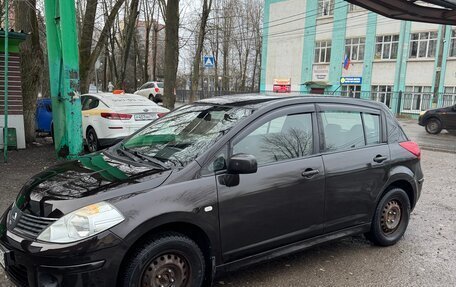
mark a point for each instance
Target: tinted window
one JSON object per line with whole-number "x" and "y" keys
{"x": 395, "y": 133}
{"x": 160, "y": 85}
{"x": 342, "y": 130}
{"x": 282, "y": 138}
{"x": 89, "y": 103}
{"x": 372, "y": 128}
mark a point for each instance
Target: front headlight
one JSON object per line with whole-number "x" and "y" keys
{"x": 82, "y": 223}
{"x": 422, "y": 113}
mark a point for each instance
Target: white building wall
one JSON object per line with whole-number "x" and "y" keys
{"x": 383, "y": 72}
{"x": 419, "y": 73}
{"x": 450, "y": 75}
{"x": 284, "y": 59}
{"x": 356, "y": 24}
{"x": 14, "y": 121}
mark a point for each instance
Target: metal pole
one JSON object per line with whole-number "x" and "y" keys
{"x": 5, "y": 130}
{"x": 96, "y": 78}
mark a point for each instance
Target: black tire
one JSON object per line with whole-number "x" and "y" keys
{"x": 391, "y": 218}
{"x": 151, "y": 97}
{"x": 92, "y": 141}
{"x": 433, "y": 126}
{"x": 162, "y": 259}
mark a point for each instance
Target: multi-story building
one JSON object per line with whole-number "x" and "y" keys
{"x": 334, "y": 47}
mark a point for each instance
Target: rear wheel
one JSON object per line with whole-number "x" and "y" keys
{"x": 92, "y": 141}
{"x": 167, "y": 260}
{"x": 151, "y": 97}
{"x": 391, "y": 218}
{"x": 433, "y": 126}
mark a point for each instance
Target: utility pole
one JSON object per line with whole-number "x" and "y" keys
{"x": 438, "y": 69}
{"x": 63, "y": 57}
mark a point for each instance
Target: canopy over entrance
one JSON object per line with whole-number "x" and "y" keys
{"x": 431, "y": 11}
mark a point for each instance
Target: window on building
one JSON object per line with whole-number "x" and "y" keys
{"x": 453, "y": 44}
{"x": 351, "y": 91}
{"x": 322, "y": 52}
{"x": 383, "y": 94}
{"x": 423, "y": 45}
{"x": 416, "y": 99}
{"x": 325, "y": 7}
{"x": 354, "y": 48}
{"x": 354, "y": 8}
{"x": 449, "y": 97}
{"x": 386, "y": 47}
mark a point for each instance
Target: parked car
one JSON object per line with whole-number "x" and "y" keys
{"x": 212, "y": 187}
{"x": 43, "y": 116}
{"x": 437, "y": 119}
{"x": 107, "y": 118}
{"x": 152, "y": 90}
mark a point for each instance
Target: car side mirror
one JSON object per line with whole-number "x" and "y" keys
{"x": 242, "y": 164}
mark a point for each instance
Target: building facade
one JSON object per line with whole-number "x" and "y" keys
{"x": 334, "y": 47}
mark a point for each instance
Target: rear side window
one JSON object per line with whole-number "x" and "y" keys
{"x": 342, "y": 130}
{"x": 395, "y": 133}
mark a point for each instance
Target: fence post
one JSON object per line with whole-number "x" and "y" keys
{"x": 399, "y": 103}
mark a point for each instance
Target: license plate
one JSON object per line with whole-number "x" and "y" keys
{"x": 2, "y": 257}
{"x": 144, "y": 117}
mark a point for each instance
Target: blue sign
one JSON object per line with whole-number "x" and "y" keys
{"x": 208, "y": 61}
{"x": 351, "y": 80}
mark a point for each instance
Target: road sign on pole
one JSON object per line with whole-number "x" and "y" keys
{"x": 208, "y": 62}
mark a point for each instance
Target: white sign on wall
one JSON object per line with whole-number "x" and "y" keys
{"x": 320, "y": 73}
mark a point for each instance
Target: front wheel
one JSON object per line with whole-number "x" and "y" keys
{"x": 391, "y": 218}
{"x": 166, "y": 260}
{"x": 433, "y": 126}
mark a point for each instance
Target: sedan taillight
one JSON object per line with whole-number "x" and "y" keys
{"x": 157, "y": 90}
{"x": 161, "y": 115}
{"x": 116, "y": 116}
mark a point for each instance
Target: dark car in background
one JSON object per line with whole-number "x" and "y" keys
{"x": 212, "y": 187}
{"x": 436, "y": 120}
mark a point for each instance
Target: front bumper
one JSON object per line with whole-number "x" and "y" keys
{"x": 91, "y": 262}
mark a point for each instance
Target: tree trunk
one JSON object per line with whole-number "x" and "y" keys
{"x": 171, "y": 52}
{"x": 252, "y": 86}
{"x": 85, "y": 42}
{"x": 31, "y": 63}
{"x": 86, "y": 65}
{"x": 244, "y": 72}
{"x": 146, "y": 58}
{"x": 199, "y": 49}
{"x": 128, "y": 38}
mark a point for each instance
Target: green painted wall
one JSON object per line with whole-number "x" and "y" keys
{"x": 369, "y": 53}
{"x": 338, "y": 44}
{"x": 308, "y": 47}
{"x": 401, "y": 62}
{"x": 446, "y": 51}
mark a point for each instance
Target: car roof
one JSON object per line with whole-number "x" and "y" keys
{"x": 262, "y": 100}
{"x": 122, "y": 99}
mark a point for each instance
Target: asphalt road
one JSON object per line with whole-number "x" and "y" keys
{"x": 426, "y": 256}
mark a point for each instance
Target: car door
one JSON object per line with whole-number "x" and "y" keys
{"x": 356, "y": 159}
{"x": 89, "y": 103}
{"x": 283, "y": 201}
{"x": 449, "y": 118}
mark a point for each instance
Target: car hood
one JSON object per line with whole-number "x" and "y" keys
{"x": 89, "y": 176}
{"x": 440, "y": 110}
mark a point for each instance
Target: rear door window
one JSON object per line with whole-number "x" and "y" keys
{"x": 372, "y": 128}
{"x": 342, "y": 130}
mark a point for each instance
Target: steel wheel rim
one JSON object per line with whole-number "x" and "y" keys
{"x": 170, "y": 269}
{"x": 391, "y": 217}
{"x": 433, "y": 126}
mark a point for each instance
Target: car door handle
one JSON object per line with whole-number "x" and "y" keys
{"x": 309, "y": 173}
{"x": 380, "y": 158}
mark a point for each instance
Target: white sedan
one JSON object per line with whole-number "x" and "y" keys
{"x": 107, "y": 118}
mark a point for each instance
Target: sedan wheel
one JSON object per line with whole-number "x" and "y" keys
{"x": 433, "y": 126}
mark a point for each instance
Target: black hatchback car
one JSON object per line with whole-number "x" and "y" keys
{"x": 211, "y": 187}
{"x": 437, "y": 119}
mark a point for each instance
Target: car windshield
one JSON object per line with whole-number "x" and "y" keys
{"x": 182, "y": 135}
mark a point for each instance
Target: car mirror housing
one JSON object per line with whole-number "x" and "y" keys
{"x": 242, "y": 164}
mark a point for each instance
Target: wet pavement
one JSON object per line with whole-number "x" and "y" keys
{"x": 440, "y": 142}
{"x": 426, "y": 256}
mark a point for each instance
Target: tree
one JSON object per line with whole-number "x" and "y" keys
{"x": 130, "y": 30}
{"x": 87, "y": 55}
{"x": 207, "y": 5}
{"x": 171, "y": 18}
{"x": 31, "y": 63}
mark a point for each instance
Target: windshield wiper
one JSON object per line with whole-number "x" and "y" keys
{"x": 135, "y": 155}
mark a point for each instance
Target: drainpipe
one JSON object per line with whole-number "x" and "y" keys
{"x": 438, "y": 69}
{"x": 5, "y": 129}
